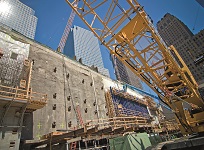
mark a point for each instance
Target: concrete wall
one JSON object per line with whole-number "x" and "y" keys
{"x": 68, "y": 84}
{"x": 9, "y": 136}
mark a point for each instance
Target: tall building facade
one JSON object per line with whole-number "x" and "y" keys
{"x": 201, "y": 2}
{"x": 189, "y": 46}
{"x": 19, "y": 17}
{"x": 82, "y": 44}
{"x": 124, "y": 74}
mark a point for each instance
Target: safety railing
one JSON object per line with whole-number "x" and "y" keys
{"x": 13, "y": 92}
{"x": 35, "y": 100}
{"x": 169, "y": 125}
{"x": 166, "y": 126}
{"x": 117, "y": 122}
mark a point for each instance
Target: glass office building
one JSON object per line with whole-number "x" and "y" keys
{"x": 124, "y": 74}
{"x": 19, "y": 17}
{"x": 82, "y": 44}
{"x": 201, "y": 2}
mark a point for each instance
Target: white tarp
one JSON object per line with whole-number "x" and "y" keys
{"x": 113, "y": 84}
{"x": 11, "y": 63}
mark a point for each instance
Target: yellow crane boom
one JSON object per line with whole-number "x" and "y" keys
{"x": 127, "y": 32}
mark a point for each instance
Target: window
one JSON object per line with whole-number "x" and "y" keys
{"x": 14, "y": 55}
{"x": 168, "y": 21}
{"x": 1, "y": 53}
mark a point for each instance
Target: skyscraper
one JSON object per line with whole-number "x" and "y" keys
{"x": 189, "y": 46}
{"x": 83, "y": 45}
{"x": 124, "y": 74}
{"x": 201, "y": 2}
{"x": 19, "y": 17}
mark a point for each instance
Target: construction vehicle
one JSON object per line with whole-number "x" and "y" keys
{"x": 125, "y": 29}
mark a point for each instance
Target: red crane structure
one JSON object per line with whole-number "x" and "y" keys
{"x": 67, "y": 28}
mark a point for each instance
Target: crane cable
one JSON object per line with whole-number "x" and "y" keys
{"x": 196, "y": 18}
{"x": 65, "y": 73}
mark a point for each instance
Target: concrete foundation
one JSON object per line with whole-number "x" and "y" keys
{"x": 68, "y": 85}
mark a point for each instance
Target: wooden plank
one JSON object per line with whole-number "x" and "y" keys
{"x": 92, "y": 130}
{"x": 103, "y": 131}
{"x": 57, "y": 138}
{"x": 68, "y": 140}
{"x": 33, "y": 141}
{"x": 119, "y": 130}
{"x": 46, "y": 136}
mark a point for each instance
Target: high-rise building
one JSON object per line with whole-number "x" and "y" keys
{"x": 19, "y": 17}
{"x": 124, "y": 74}
{"x": 82, "y": 44}
{"x": 189, "y": 46}
{"x": 201, "y": 2}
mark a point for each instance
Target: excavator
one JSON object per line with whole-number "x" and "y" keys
{"x": 127, "y": 31}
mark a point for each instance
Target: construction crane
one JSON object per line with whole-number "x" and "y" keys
{"x": 128, "y": 33}
{"x": 197, "y": 60}
{"x": 67, "y": 28}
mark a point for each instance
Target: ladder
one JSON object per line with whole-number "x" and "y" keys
{"x": 73, "y": 146}
{"x": 79, "y": 117}
{"x": 80, "y": 120}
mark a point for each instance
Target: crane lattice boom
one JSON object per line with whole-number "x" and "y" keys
{"x": 67, "y": 28}
{"x": 128, "y": 33}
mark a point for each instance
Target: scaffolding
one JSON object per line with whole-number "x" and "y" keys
{"x": 120, "y": 103}
{"x": 121, "y": 122}
{"x": 23, "y": 94}
{"x": 95, "y": 129}
{"x": 15, "y": 102}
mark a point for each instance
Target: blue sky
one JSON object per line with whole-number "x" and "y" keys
{"x": 53, "y": 14}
